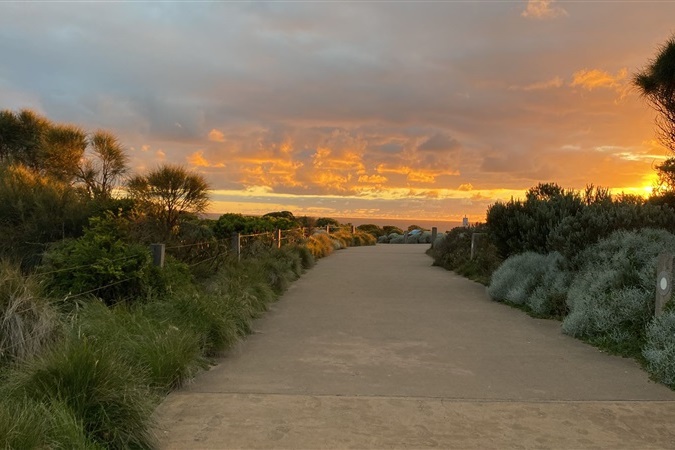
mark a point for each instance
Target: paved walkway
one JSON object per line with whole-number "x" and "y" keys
{"x": 374, "y": 348}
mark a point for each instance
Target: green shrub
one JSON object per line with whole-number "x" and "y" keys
{"x": 659, "y": 348}
{"x": 102, "y": 391}
{"x": 452, "y": 251}
{"x": 103, "y": 265}
{"x": 28, "y": 321}
{"x": 611, "y": 300}
{"x": 549, "y": 298}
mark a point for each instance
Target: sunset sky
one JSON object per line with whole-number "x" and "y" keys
{"x": 414, "y": 110}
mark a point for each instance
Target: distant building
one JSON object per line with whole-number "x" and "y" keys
{"x": 465, "y": 222}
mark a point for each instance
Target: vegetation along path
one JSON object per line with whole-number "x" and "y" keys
{"x": 373, "y": 348}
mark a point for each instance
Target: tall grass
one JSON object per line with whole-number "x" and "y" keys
{"x": 28, "y": 321}
{"x": 95, "y": 385}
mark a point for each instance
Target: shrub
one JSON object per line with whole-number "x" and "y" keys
{"x": 106, "y": 266}
{"x": 371, "y": 229}
{"x": 611, "y": 300}
{"x": 452, "y": 251}
{"x": 516, "y": 279}
{"x": 97, "y": 386}
{"x": 28, "y": 322}
{"x": 659, "y": 348}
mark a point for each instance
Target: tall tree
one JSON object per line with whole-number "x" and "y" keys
{"x": 169, "y": 191}
{"x": 104, "y": 166}
{"x": 657, "y": 83}
{"x": 35, "y": 142}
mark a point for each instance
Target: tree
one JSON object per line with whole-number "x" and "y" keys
{"x": 101, "y": 172}
{"x": 33, "y": 141}
{"x": 168, "y": 192}
{"x": 657, "y": 83}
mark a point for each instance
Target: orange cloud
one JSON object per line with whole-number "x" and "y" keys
{"x": 465, "y": 187}
{"x": 198, "y": 159}
{"x": 592, "y": 79}
{"x": 543, "y": 9}
{"x": 372, "y": 179}
{"x": 216, "y": 136}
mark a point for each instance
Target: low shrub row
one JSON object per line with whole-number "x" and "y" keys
{"x": 606, "y": 298}
{"x": 322, "y": 244}
{"x": 92, "y": 376}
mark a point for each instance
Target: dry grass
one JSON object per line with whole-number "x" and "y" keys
{"x": 28, "y": 322}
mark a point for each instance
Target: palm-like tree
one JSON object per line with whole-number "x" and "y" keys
{"x": 657, "y": 83}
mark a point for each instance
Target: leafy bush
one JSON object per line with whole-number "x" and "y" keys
{"x": 611, "y": 300}
{"x": 28, "y": 322}
{"x": 105, "y": 266}
{"x": 596, "y": 221}
{"x": 372, "y": 229}
{"x": 659, "y": 348}
{"x": 452, "y": 251}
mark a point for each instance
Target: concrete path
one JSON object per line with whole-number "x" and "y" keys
{"x": 374, "y": 348}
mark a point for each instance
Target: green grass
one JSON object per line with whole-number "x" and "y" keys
{"x": 96, "y": 385}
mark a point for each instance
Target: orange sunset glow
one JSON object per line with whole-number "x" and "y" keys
{"x": 390, "y": 110}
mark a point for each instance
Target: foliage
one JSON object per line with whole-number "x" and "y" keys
{"x": 659, "y": 348}
{"x": 237, "y": 223}
{"x": 323, "y": 222}
{"x": 372, "y": 229}
{"x": 35, "y": 210}
{"x": 657, "y": 83}
{"x": 389, "y": 229}
{"x": 105, "y": 265}
{"x": 164, "y": 354}
{"x": 320, "y": 245}
{"x": 96, "y": 385}
{"x": 611, "y": 300}
{"x": 538, "y": 282}
{"x": 28, "y": 321}
{"x": 167, "y": 192}
{"x": 33, "y": 141}
{"x": 519, "y": 226}
{"x": 596, "y": 221}
{"x": 452, "y": 251}
{"x": 105, "y": 164}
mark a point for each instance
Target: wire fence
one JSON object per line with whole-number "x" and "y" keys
{"x": 207, "y": 255}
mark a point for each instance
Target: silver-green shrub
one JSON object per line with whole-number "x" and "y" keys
{"x": 548, "y": 298}
{"x": 517, "y": 278}
{"x": 611, "y": 300}
{"x": 659, "y": 349}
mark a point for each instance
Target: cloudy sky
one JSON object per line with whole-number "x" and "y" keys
{"x": 396, "y": 109}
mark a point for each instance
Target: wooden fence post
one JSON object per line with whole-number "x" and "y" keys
{"x": 474, "y": 241}
{"x": 405, "y": 237}
{"x": 328, "y": 229}
{"x": 157, "y": 254}
{"x": 236, "y": 244}
{"x": 279, "y": 238}
{"x": 434, "y": 233}
{"x": 353, "y": 229}
{"x": 664, "y": 280}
